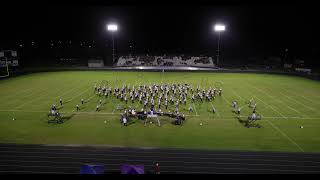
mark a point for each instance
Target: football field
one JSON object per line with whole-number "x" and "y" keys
{"x": 285, "y": 103}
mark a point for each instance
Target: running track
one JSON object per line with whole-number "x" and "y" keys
{"x": 67, "y": 159}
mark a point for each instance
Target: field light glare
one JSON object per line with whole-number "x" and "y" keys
{"x": 219, "y": 27}
{"x": 112, "y": 27}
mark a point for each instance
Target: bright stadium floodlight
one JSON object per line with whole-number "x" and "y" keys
{"x": 112, "y": 28}
{"x": 219, "y": 28}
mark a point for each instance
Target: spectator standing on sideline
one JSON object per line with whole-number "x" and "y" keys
{"x": 157, "y": 169}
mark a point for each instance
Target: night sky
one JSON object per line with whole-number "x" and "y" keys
{"x": 263, "y": 30}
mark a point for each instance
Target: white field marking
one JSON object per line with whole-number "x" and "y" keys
{"x": 296, "y": 94}
{"x": 234, "y": 92}
{"x": 39, "y": 97}
{"x": 95, "y": 113}
{"x": 285, "y": 135}
{"x": 270, "y": 107}
{"x": 115, "y": 108}
{"x": 85, "y": 101}
{"x": 108, "y": 113}
{"x": 216, "y": 110}
{"x": 297, "y": 102}
{"x": 228, "y": 102}
{"x": 100, "y": 105}
{"x": 32, "y": 100}
{"x": 17, "y": 92}
{"x": 307, "y": 99}
{"x": 28, "y": 102}
{"x": 286, "y": 117}
{"x": 298, "y": 112}
{"x": 241, "y": 107}
{"x": 79, "y": 94}
{"x": 68, "y": 91}
{"x": 73, "y": 97}
{"x": 25, "y": 97}
{"x": 90, "y": 98}
{"x": 42, "y": 90}
{"x": 301, "y": 114}
{"x": 195, "y": 109}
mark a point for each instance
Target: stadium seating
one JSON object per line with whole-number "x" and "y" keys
{"x": 165, "y": 60}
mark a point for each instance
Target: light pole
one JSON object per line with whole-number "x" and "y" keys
{"x": 219, "y": 28}
{"x": 112, "y": 28}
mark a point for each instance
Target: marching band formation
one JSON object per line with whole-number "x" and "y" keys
{"x": 155, "y": 97}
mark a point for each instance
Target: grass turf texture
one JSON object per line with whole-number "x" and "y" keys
{"x": 285, "y": 102}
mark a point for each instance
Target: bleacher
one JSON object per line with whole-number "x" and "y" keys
{"x": 146, "y": 60}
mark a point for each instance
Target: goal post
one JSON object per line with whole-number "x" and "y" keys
{"x": 4, "y": 66}
{"x": 8, "y": 58}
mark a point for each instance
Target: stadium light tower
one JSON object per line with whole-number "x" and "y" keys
{"x": 219, "y": 28}
{"x": 112, "y": 28}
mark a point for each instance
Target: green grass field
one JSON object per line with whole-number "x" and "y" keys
{"x": 285, "y": 102}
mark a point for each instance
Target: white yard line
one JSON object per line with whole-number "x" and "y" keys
{"x": 32, "y": 100}
{"x": 108, "y": 113}
{"x": 100, "y": 105}
{"x": 67, "y": 92}
{"x": 301, "y": 114}
{"x": 216, "y": 110}
{"x": 17, "y": 92}
{"x": 307, "y": 99}
{"x": 79, "y": 94}
{"x": 278, "y": 129}
{"x": 278, "y": 117}
{"x": 237, "y": 95}
{"x": 270, "y": 107}
{"x": 298, "y": 112}
{"x": 90, "y": 98}
{"x": 96, "y": 113}
{"x": 297, "y": 102}
{"x": 39, "y": 97}
{"x": 285, "y": 135}
{"x": 25, "y": 97}
{"x": 195, "y": 109}
{"x": 228, "y": 102}
{"x": 115, "y": 108}
{"x": 297, "y": 94}
{"x": 316, "y": 102}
